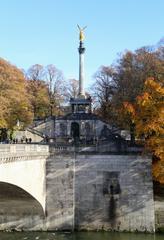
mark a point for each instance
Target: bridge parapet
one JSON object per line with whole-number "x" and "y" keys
{"x": 22, "y": 152}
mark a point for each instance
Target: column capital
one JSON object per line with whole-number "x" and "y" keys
{"x": 81, "y": 48}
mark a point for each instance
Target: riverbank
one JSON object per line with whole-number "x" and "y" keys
{"x": 79, "y": 236}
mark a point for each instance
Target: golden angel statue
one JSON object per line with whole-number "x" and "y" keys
{"x": 81, "y": 32}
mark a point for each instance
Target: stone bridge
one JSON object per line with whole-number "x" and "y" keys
{"x": 47, "y": 188}
{"x": 24, "y": 165}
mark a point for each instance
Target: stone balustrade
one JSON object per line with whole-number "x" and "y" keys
{"x": 21, "y": 152}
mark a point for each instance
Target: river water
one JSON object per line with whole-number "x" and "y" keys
{"x": 79, "y": 236}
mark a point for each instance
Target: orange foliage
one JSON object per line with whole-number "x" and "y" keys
{"x": 129, "y": 109}
{"x": 14, "y": 103}
{"x": 148, "y": 115}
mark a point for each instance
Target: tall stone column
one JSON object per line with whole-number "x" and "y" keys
{"x": 81, "y": 69}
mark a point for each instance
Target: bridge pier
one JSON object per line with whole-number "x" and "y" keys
{"x": 60, "y": 192}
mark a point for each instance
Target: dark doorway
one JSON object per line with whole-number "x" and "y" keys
{"x": 75, "y": 131}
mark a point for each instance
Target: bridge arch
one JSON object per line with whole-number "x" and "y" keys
{"x": 14, "y": 199}
{"x": 28, "y": 174}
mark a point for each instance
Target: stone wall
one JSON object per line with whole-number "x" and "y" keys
{"x": 84, "y": 191}
{"x": 159, "y": 215}
{"x": 159, "y": 206}
{"x": 63, "y": 127}
{"x": 114, "y": 192}
{"x": 100, "y": 192}
{"x": 60, "y": 192}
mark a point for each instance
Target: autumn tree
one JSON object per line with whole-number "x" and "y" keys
{"x": 149, "y": 120}
{"x": 38, "y": 91}
{"x": 71, "y": 89}
{"x": 132, "y": 70}
{"x": 131, "y": 78}
{"x": 148, "y": 115}
{"x": 14, "y": 102}
{"x": 56, "y": 88}
{"x": 124, "y": 81}
{"x": 35, "y": 72}
{"x": 103, "y": 91}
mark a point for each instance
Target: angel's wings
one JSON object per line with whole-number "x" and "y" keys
{"x": 81, "y": 29}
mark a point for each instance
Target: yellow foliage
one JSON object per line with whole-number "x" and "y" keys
{"x": 147, "y": 113}
{"x": 149, "y": 120}
{"x": 14, "y": 103}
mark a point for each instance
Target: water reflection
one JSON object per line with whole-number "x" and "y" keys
{"x": 79, "y": 236}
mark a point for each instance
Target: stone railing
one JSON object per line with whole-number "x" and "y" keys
{"x": 21, "y": 152}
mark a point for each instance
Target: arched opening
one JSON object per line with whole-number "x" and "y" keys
{"x": 75, "y": 131}
{"x": 16, "y": 203}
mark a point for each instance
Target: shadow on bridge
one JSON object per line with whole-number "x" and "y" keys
{"x": 17, "y": 207}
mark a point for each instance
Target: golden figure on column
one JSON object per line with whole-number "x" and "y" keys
{"x": 81, "y": 33}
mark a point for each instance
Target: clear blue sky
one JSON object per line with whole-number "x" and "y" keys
{"x": 45, "y": 31}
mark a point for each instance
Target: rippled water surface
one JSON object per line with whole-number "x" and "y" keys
{"x": 79, "y": 236}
